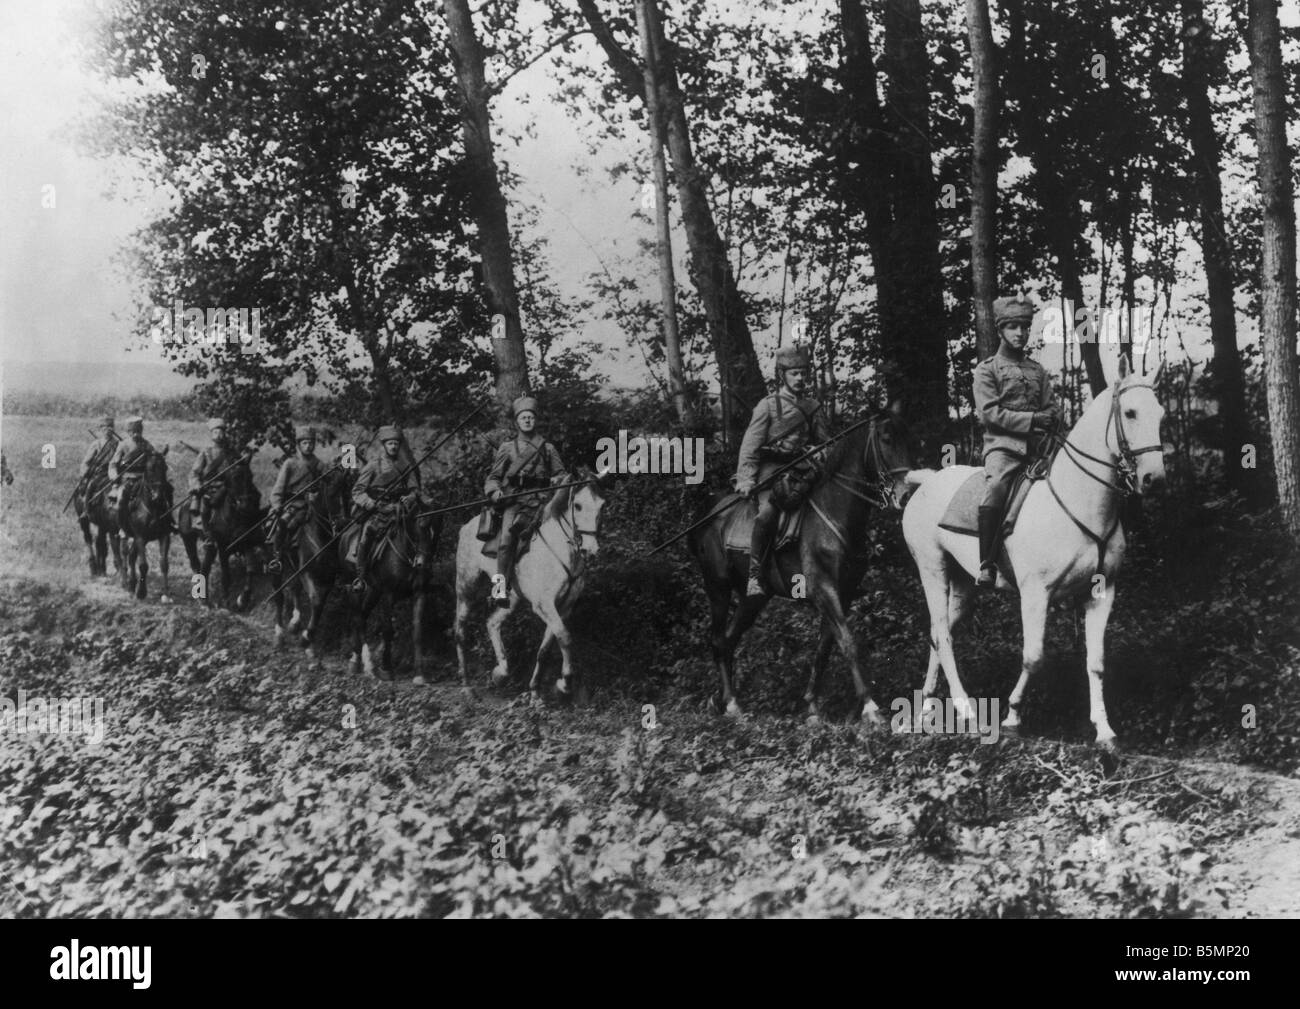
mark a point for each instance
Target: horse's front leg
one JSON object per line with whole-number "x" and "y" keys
{"x": 418, "y": 608}
{"x": 1033, "y": 619}
{"x": 141, "y": 550}
{"x": 1096, "y": 615}
{"x": 164, "y": 549}
{"x": 460, "y": 632}
{"x": 224, "y": 556}
{"x": 386, "y": 656}
{"x": 811, "y": 697}
{"x": 828, "y": 601}
{"x": 501, "y": 671}
{"x": 741, "y": 621}
{"x": 91, "y": 551}
{"x": 548, "y": 636}
{"x": 205, "y": 569}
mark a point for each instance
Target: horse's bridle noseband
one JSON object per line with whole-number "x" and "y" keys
{"x": 1126, "y": 467}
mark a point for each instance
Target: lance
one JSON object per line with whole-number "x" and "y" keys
{"x": 95, "y": 463}
{"x": 367, "y": 512}
{"x": 765, "y": 482}
{"x": 505, "y": 497}
{"x": 186, "y": 445}
{"x": 291, "y": 497}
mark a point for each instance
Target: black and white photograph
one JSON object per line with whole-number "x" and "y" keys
{"x": 650, "y": 459}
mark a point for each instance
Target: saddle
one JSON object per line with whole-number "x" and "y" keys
{"x": 962, "y": 515}
{"x": 492, "y": 545}
{"x": 739, "y": 526}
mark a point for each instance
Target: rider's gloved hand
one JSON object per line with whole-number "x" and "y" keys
{"x": 745, "y": 488}
{"x": 1044, "y": 419}
{"x": 495, "y": 495}
{"x": 409, "y": 499}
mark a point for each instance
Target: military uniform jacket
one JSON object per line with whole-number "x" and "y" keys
{"x": 1007, "y": 394}
{"x": 97, "y": 448}
{"x": 383, "y": 480}
{"x": 523, "y": 463}
{"x": 128, "y": 460}
{"x": 211, "y": 461}
{"x": 295, "y": 474}
{"x": 781, "y": 427}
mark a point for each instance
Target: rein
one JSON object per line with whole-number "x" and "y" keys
{"x": 1126, "y": 468}
{"x": 882, "y": 485}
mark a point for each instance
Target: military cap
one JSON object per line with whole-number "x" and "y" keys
{"x": 792, "y": 356}
{"x": 524, "y": 404}
{"x": 135, "y": 423}
{"x": 106, "y": 421}
{"x": 216, "y": 422}
{"x": 303, "y": 433}
{"x": 389, "y": 432}
{"x": 1013, "y": 310}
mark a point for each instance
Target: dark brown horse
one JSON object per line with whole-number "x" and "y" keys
{"x": 90, "y": 503}
{"x": 401, "y": 568}
{"x": 864, "y": 471}
{"x": 234, "y": 520}
{"x": 148, "y": 518}
{"x": 327, "y": 513}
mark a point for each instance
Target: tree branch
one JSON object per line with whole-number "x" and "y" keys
{"x": 499, "y": 86}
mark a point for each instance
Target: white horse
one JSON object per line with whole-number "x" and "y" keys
{"x": 1068, "y": 532}
{"x": 549, "y": 576}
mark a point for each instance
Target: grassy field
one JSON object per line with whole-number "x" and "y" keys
{"x": 232, "y": 781}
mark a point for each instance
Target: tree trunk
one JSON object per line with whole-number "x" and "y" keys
{"x": 1225, "y": 369}
{"x": 667, "y": 281}
{"x": 733, "y": 345}
{"x": 1277, "y": 322}
{"x": 983, "y": 176}
{"x": 489, "y": 205}
{"x": 918, "y": 336}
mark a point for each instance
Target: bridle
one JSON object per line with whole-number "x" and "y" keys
{"x": 883, "y": 485}
{"x": 573, "y": 536}
{"x": 1125, "y": 467}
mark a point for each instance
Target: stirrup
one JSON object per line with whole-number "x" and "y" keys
{"x": 273, "y": 564}
{"x": 358, "y": 585}
{"x": 988, "y": 576}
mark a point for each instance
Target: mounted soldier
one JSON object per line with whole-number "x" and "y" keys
{"x": 783, "y": 425}
{"x": 95, "y": 461}
{"x": 389, "y": 481}
{"x": 526, "y": 462}
{"x": 1018, "y": 409}
{"x": 126, "y": 468}
{"x": 214, "y": 459}
{"x": 289, "y": 505}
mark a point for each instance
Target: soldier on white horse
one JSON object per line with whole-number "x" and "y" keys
{"x": 1067, "y": 541}
{"x": 1016, "y": 405}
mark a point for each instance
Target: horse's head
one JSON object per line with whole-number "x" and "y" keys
{"x": 889, "y": 456}
{"x": 334, "y": 493}
{"x": 156, "y": 489}
{"x": 241, "y": 489}
{"x": 1135, "y": 417}
{"x": 581, "y": 508}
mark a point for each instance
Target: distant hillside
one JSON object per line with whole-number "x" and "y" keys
{"x": 90, "y": 380}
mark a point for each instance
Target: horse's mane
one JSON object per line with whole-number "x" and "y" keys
{"x": 846, "y": 447}
{"x": 558, "y": 504}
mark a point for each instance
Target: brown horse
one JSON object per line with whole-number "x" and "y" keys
{"x": 866, "y": 469}
{"x": 235, "y": 515}
{"x": 401, "y": 568}
{"x": 327, "y": 515}
{"x": 90, "y": 503}
{"x": 148, "y": 518}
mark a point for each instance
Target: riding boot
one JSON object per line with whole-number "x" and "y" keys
{"x": 505, "y": 568}
{"x": 988, "y": 521}
{"x": 363, "y": 555}
{"x": 760, "y": 537}
{"x": 277, "y": 546}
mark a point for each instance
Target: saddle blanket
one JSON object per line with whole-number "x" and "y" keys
{"x": 962, "y": 515}
{"x": 740, "y": 524}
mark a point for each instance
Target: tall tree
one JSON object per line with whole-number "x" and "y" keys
{"x": 733, "y": 345}
{"x": 1277, "y": 274}
{"x": 1199, "y": 60}
{"x": 984, "y": 175}
{"x": 488, "y": 204}
{"x": 664, "y": 244}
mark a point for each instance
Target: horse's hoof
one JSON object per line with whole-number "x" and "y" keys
{"x": 735, "y": 711}
{"x": 1010, "y": 732}
{"x": 499, "y": 675}
{"x": 164, "y": 599}
{"x": 535, "y": 699}
{"x": 354, "y": 666}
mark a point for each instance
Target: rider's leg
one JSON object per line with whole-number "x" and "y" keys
{"x": 506, "y": 557}
{"x": 760, "y": 537}
{"x": 999, "y": 472}
{"x": 363, "y": 555}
